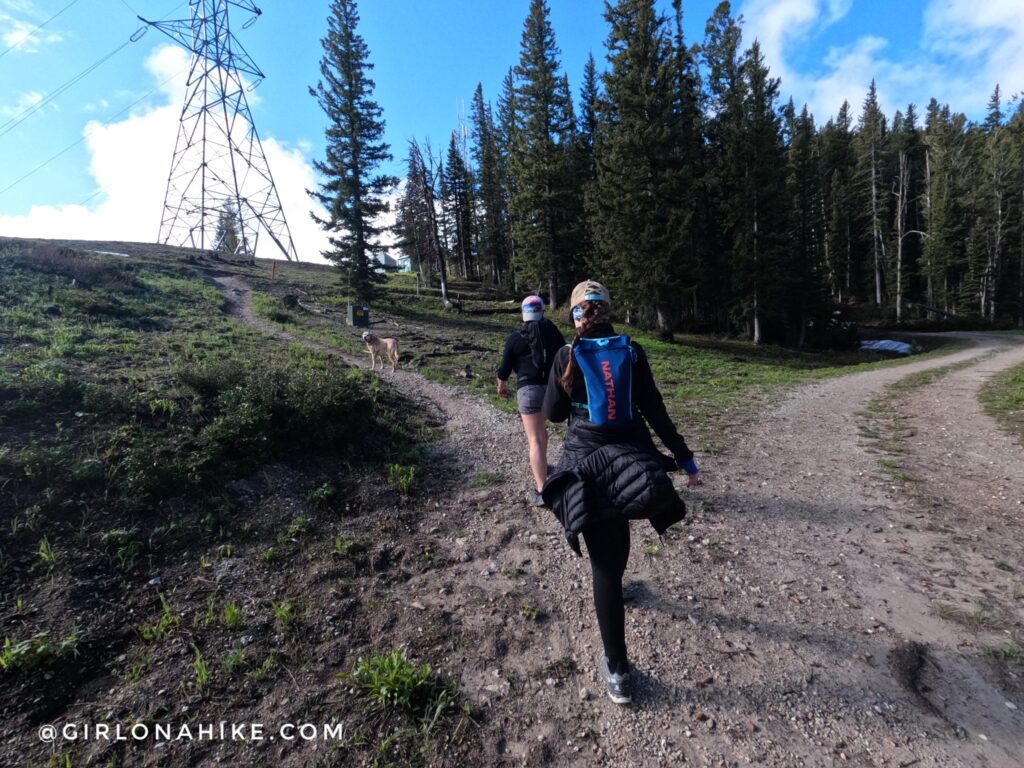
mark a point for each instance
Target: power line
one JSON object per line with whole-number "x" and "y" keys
{"x": 26, "y": 113}
{"x": 26, "y": 37}
{"x": 71, "y": 146}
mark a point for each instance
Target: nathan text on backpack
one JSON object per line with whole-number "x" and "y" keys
{"x": 607, "y": 367}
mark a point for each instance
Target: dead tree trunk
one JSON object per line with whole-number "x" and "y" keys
{"x": 901, "y": 218}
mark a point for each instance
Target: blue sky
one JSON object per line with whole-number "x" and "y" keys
{"x": 429, "y": 55}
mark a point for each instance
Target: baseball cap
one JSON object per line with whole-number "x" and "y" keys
{"x": 590, "y": 290}
{"x": 533, "y": 308}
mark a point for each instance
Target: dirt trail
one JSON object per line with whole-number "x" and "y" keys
{"x": 761, "y": 633}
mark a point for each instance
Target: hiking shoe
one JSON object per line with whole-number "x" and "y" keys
{"x": 536, "y": 499}
{"x": 620, "y": 687}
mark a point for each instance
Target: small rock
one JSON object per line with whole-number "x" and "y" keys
{"x": 1011, "y": 706}
{"x": 584, "y": 695}
{"x": 154, "y": 582}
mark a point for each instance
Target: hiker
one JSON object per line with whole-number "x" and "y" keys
{"x": 529, "y": 352}
{"x": 610, "y": 470}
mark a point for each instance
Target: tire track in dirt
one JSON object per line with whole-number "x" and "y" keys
{"x": 759, "y": 634}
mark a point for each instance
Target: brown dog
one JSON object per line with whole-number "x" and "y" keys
{"x": 381, "y": 348}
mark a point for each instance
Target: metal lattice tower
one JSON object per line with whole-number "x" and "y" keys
{"x": 219, "y": 169}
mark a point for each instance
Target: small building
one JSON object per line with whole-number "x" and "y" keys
{"x": 404, "y": 263}
{"x": 387, "y": 263}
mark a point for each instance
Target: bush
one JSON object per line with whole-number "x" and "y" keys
{"x": 212, "y": 378}
{"x": 37, "y": 651}
{"x": 393, "y": 684}
{"x": 38, "y": 390}
{"x": 274, "y": 410}
{"x": 85, "y": 269}
{"x": 150, "y": 469}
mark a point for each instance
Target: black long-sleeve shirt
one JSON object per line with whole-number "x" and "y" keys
{"x": 518, "y": 356}
{"x": 646, "y": 397}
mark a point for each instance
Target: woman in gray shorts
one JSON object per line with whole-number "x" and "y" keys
{"x": 529, "y": 352}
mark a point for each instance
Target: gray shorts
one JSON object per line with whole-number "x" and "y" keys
{"x": 530, "y": 398}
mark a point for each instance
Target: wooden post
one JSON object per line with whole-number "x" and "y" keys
{"x": 273, "y": 270}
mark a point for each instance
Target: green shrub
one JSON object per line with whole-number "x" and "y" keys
{"x": 150, "y": 468}
{"x": 392, "y": 683}
{"x": 274, "y": 410}
{"x": 402, "y": 477}
{"x": 168, "y": 620}
{"x": 37, "y": 651}
{"x": 285, "y": 615}
{"x": 212, "y": 378}
{"x": 232, "y": 616}
{"x": 321, "y": 496}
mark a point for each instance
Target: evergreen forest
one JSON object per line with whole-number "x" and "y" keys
{"x": 674, "y": 173}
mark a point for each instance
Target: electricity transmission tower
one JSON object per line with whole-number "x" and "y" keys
{"x": 220, "y": 192}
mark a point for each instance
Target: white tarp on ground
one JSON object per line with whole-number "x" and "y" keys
{"x": 892, "y": 347}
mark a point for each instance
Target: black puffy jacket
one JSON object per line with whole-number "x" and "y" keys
{"x": 603, "y": 479}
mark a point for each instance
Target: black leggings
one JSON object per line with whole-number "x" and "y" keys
{"x": 608, "y": 547}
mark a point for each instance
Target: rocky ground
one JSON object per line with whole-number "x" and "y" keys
{"x": 825, "y": 606}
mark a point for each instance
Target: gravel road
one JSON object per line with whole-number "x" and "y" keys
{"x": 817, "y": 610}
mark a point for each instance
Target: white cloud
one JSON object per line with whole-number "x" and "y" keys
{"x": 22, "y": 35}
{"x": 25, "y": 101}
{"x": 130, "y": 159}
{"x": 967, "y": 47}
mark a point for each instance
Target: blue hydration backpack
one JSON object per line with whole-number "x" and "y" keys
{"x": 607, "y": 366}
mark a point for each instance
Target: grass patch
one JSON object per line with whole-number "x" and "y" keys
{"x": 286, "y": 615}
{"x": 486, "y": 478}
{"x": 345, "y": 546}
{"x": 976, "y": 620}
{"x": 391, "y": 684}
{"x": 38, "y": 650}
{"x": 883, "y": 428}
{"x": 163, "y": 626}
{"x": 1009, "y": 652}
{"x": 1003, "y": 398}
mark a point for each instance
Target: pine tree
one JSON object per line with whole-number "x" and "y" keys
{"x": 997, "y": 169}
{"x": 456, "y": 188}
{"x": 641, "y": 203}
{"x": 586, "y": 161}
{"x": 870, "y": 143}
{"x": 722, "y": 197}
{"x": 227, "y": 237}
{"x": 947, "y": 216}
{"x": 589, "y": 95}
{"x": 688, "y": 122}
{"x": 1016, "y": 129}
{"x": 759, "y": 217}
{"x": 353, "y": 191}
{"x": 539, "y": 196}
{"x": 802, "y": 269}
{"x": 505, "y": 137}
{"x": 908, "y": 149}
{"x": 491, "y": 202}
{"x": 838, "y": 163}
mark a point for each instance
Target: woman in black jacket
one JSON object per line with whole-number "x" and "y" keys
{"x": 610, "y": 470}
{"x": 529, "y": 352}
